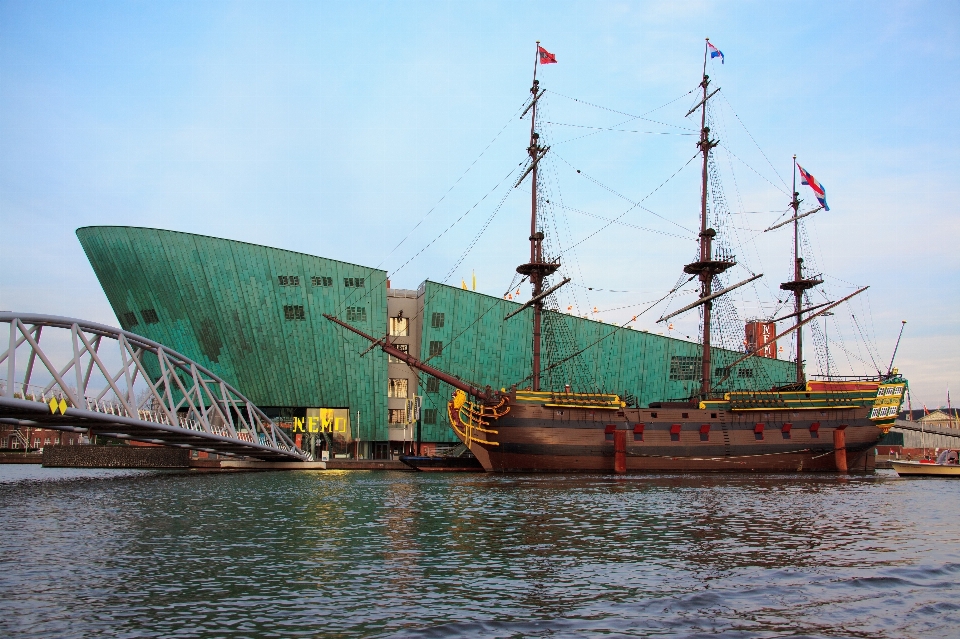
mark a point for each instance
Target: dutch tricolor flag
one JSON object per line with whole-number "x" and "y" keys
{"x": 714, "y": 52}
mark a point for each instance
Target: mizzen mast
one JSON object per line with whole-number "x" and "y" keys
{"x": 707, "y": 267}
{"x": 537, "y": 270}
{"x": 798, "y": 285}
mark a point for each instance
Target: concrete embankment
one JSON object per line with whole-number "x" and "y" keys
{"x": 115, "y": 457}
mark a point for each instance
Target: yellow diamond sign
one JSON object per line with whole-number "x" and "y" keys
{"x": 63, "y": 407}
{"x": 53, "y": 405}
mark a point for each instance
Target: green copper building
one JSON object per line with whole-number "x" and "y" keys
{"x": 254, "y": 315}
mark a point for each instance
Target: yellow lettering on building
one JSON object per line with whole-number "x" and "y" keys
{"x": 298, "y": 425}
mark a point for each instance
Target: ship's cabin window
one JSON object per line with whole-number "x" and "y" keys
{"x": 785, "y": 430}
{"x": 713, "y": 415}
{"x": 638, "y": 432}
{"x": 653, "y": 414}
{"x": 705, "y": 432}
{"x": 815, "y": 430}
{"x": 675, "y": 432}
{"x": 608, "y": 432}
{"x": 758, "y": 432}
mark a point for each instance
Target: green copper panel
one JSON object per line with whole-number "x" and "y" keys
{"x": 222, "y": 304}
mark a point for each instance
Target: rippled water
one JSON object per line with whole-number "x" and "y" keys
{"x": 371, "y": 554}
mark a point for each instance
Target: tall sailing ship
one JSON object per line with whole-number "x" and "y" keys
{"x": 806, "y": 425}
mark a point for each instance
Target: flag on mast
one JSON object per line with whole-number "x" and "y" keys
{"x": 545, "y": 56}
{"x": 818, "y": 190}
{"x": 715, "y": 52}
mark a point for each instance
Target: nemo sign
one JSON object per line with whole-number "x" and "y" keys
{"x": 325, "y": 420}
{"x": 761, "y": 334}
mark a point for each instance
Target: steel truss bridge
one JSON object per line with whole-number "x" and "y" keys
{"x": 180, "y": 403}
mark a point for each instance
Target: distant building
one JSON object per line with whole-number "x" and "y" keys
{"x": 254, "y": 316}
{"x": 941, "y": 417}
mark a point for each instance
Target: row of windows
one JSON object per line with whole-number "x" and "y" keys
{"x": 399, "y": 415}
{"x": 149, "y": 315}
{"x": 684, "y": 367}
{"x": 293, "y": 313}
{"x": 321, "y": 280}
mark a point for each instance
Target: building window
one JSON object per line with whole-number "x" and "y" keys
{"x": 397, "y": 387}
{"x": 150, "y": 316}
{"x": 293, "y": 313}
{"x": 399, "y": 326}
{"x": 429, "y": 415}
{"x": 437, "y": 320}
{"x": 356, "y": 314}
{"x": 354, "y": 282}
{"x": 433, "y": 385}
{"x": 396, "y": 416}
{"x": 745, "y": 372}
{"x": 403, "y": 348}
{"x": 129, "y": 319}
{"x": 321, "y": 281}
{"x": 436, "y": 348}
{"x": 288, "y": 280}
{"x": 684, "y": 368}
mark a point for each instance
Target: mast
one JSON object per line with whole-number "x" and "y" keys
{"x": 707, "y": 267}
{"x": 537, "y": 269}
{"x": 798, "y": 285}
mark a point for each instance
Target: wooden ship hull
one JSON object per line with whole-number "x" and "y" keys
{"x": 833, "y": 430}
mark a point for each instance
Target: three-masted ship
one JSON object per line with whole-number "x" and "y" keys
{"x": 807, "y": 425}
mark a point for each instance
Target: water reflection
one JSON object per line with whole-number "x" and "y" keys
{"x": 358, "y": 554}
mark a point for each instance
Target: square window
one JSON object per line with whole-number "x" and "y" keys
{"x": 129, "y": 320}
{"x": 397, "y": 387}
{"x": 436, "y": 321}
{"x": 282, "y": 280}
{"x": 429, "y": 415}
{"x": 150, "y": 316}
{"x": 356, "y": 314}
{"x": 436, "y": 348}
{"x": 294, "y": 280}
{"x": 399, "y": 326}
{"x": 396, "y": 416}
{"x": 433, "y": 385}
{"x": 403, "y": 348}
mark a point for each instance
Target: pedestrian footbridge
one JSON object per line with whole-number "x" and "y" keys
{"x": 100, "y": 380}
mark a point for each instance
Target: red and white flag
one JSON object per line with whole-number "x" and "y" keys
{"x": 545, "y": 56}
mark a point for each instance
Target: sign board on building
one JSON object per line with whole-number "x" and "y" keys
{"x": 759, "y": 333}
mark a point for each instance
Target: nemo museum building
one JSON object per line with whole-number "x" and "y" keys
{"x": 254, "y": 316}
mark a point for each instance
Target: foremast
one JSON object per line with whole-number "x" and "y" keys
{"x": 799, "y": 284}
{"x": 537, "y": 270}
{"x": 707, "y": 267}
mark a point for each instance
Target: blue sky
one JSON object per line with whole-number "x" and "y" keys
{"x": 334, "y": 128}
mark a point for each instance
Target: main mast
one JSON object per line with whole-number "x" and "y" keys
{"x": 537, "y": 269}
{"x": 798, "y": 285}
{"x": 707, "y": 267}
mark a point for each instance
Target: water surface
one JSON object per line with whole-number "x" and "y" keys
{"x": 379, "y": 554}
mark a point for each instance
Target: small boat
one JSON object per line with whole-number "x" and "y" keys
{"x": 946, "y": 465}
{"x": 468, "y": 464}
